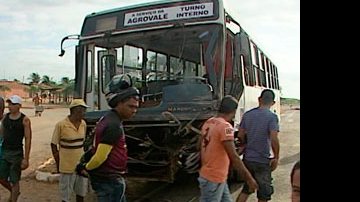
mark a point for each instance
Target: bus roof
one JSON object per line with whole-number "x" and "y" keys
{"x": 135, "y": 6}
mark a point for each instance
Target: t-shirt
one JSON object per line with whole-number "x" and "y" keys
{"x": 109, "y": 130}
{"x": 214, "y": 159}
{"x": 258, "y": 123}
{"x": 70, "y": 141}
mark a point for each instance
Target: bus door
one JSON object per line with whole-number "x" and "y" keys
{"x": 243, "y": 94}
{"x": 233, "y": 82}
{"x": 79, "y": 73}
{"x": 106, "y": 63}
{"x": 239, "y": 84}
{"x": 91, "y": 79}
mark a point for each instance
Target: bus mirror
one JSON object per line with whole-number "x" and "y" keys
{"x": 62, "y": 52}
{"x": 74, "y": 36}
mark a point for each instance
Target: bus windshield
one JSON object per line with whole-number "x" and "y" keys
{"x": 158, "y": 58}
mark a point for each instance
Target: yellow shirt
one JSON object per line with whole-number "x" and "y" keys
{"x": 70, "y": 141}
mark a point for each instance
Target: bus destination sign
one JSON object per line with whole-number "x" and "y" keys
{"x": 169, "y": 13}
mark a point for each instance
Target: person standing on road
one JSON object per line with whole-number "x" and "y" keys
{"x": 15, "y": 127}
{"x": 217, "y": 151}
{"x": 295, "y": 182}
{"x": 4, "y": 183}
{"x": 69, "y": 135}
{"x": 109, "y": 161}
{"x": 259, "y": 130}
{"x": 2, "y": 107}
{"x": 38, "y": 108}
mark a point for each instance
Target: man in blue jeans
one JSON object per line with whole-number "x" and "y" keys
{"x": 109, "y": 161}
{"x": 259, "y": 130}
{"x": 218, "y": 153}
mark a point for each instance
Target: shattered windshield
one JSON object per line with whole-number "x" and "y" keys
{"x": 155, "y": 59}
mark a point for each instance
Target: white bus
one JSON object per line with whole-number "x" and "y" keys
{"x": 184, "y": 56}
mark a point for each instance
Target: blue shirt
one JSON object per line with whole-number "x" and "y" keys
{"x": 258, "y": 123}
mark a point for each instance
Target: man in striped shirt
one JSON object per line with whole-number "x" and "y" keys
{"x": 259, "y": 130}
{"x": 69, "y": 135}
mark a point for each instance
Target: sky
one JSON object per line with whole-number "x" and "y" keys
{"x": 31, "y": 32}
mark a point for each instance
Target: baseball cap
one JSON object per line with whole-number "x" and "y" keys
{"x": 77, "y": 102}
{"x": 267, "y": 96}
{"x": 14, "y": 99}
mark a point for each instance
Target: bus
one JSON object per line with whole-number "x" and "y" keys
{"x": 184, "y": 56}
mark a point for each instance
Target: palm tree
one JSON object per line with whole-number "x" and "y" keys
{"x": 68, "y": 87}
{"x": 65, "y": 80}
{"x": 45, "y": 79}
{"x": 35, "y": 78}
{"x": 32, "y": 90}
{"x": 48, "y": 81}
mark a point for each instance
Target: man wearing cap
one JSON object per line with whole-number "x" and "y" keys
{"x": 259, "y": 130}
{"x": 69, "y": 135}
{"x": 109, "y": 161}
{"x": 15, "y": 127}
{"x": 217, "y": 152}
{"x": 4, "y": 183}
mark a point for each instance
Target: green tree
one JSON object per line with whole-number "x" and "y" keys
{"x": 32, "y": 90}
{"x": 48, "y": 81}
{"x": 65, "y": 80}
{"x": 35, "y": 78}
{"x": 45, "y": 79}
{"x": 68, "y": 87}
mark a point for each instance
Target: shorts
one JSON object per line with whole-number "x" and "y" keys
{"x": 262, "y": 174}
{"x": 39, "y": 108}
{"x": 10, "y": 165}
{"x": 71, "y": 182}
{"x": 213, "y": 191}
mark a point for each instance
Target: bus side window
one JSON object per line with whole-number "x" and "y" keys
{"x": 228, "y": 65}
{"x": 245, "y": 70}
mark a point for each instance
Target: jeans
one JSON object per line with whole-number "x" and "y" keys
{"x": 109, "y": 190}
{"x": 214, "y": 192}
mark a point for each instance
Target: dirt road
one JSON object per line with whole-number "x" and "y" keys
{"x": 32, "y": 190}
